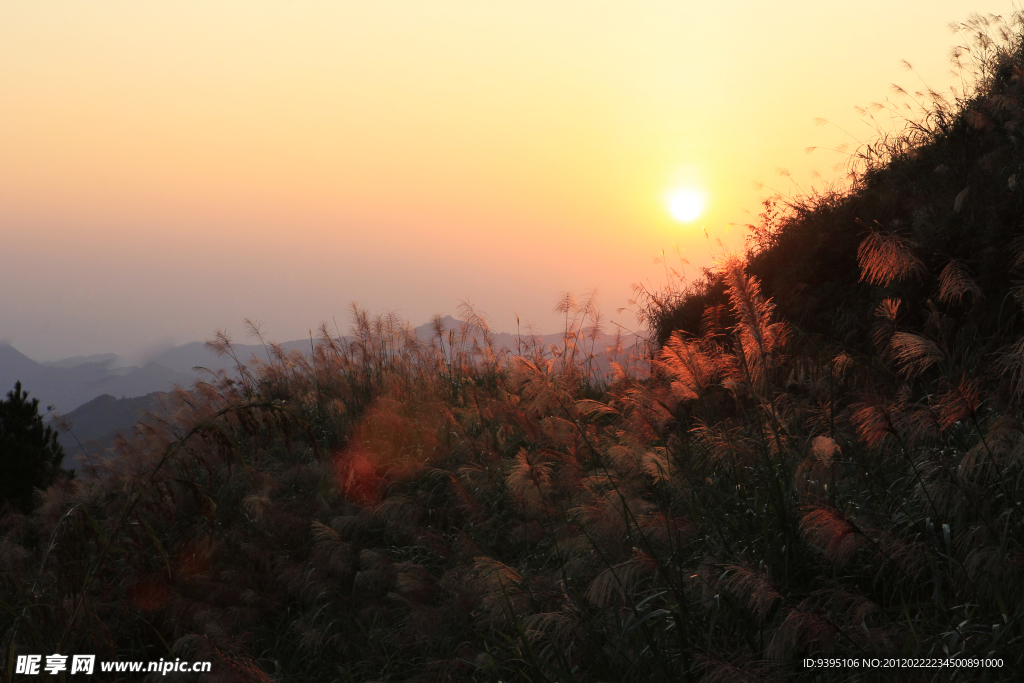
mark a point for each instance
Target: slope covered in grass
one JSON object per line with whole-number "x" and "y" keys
{"x": 948, "y": 185}
{"x": 842, "y": 478}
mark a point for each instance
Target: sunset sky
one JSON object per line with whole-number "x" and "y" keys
{"x": 170, "y": 168}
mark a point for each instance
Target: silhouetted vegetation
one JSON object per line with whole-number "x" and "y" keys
{"x": 948, "y": 185}
{"x": 837, "y": 470}
{"x": 30, "y": 456}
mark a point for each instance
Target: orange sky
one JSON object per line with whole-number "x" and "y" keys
{"x": 170, "y": 168}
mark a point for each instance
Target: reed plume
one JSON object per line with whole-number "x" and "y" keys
{"x": 831, "y": 531}
{"x": 886, "y": 258}
{"x": 759, "y": 337}
{"x": 755, "y": 588}
{"x": 955, "y": 282}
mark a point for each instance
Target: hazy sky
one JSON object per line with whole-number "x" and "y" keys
{"x": 170, "y": 168}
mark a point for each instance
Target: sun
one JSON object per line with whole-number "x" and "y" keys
{"x": 686, "y": 204}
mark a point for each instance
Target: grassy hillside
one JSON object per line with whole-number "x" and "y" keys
{"x": 835, "y": 472}
{"x": 947, "y": 187}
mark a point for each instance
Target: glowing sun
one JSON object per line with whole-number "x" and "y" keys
{"x": 686, "y": 204}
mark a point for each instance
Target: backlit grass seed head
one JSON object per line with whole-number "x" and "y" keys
{"x": 725, "y": 442}
{"x": 910, "y": 556}
{"x": 955, "y": 282}
{"x": 229, "y": 664}
{"x": 310, "y": 639}
{"x": 690, "y": 369}
{"x": 666, "y": 532}
{"x": 886, "y": 258}
{"x": 804, "y": 629}
{"x": 331, "y": 553}
{"x": 884, "y": 328}
{"x": 959, "y": 402}
{"x": 939, "y": 488}
{"x": 759, "y": 337}
{"x": 376, "y": 572}
{"x": 874, "y": 421}
{"x": 712, "y": 322}
{"x": 992, "y": 571}
{"x": 655, "y": 464}
{"x": 824, "y": 449}
{"x": 754, "y": 587}
{"x": 830, "y": 530}
{"x": 414, "y": 582}
{"x": 849, "y": 605}
{"x": 559, "y": 629}
{"x": 914, "y": 354}
{"x": 990, "y": 458}
{"x": 500, "y": 586}
{"x": 842, "y": 364}
{"x": 1010, "y": 364}
{"x": 529, "y": 480}
{"x": 256, "y": 506}
{"x": 617, "y": 583}
{"x": 820, "y": 469}
{"x": 399, "y": 512}
{"x": 624, "y": 459}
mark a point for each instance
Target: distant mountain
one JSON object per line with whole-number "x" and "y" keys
{"x": 523, "y": 341}
{"x": 66, "y": 386}
{"x": 100, "y": 358}
{"x": 186, "y": 357}
{"x": 90, "y": 429}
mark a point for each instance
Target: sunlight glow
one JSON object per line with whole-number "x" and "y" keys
{"x": 686, "y": 204}
{"x": 358, "y": 149}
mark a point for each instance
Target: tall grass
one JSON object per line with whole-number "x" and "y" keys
{"x": 392, "y": 509}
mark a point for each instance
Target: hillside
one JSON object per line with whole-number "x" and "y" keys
{"x": 948, "y": 189}
{"x": 91, "y": 428}
{"x": 821, "y": 467}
